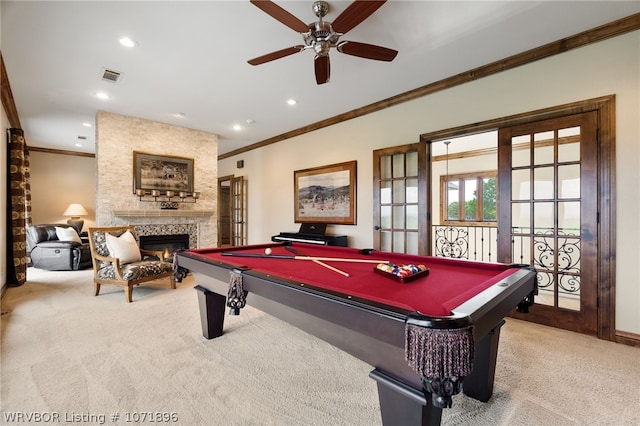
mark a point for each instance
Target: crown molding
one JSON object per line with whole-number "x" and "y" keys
{"x": 61, "y": 152}
{"x": 8, "y": 102}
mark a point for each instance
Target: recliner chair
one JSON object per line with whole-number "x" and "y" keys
{"x": 48, "y": 252}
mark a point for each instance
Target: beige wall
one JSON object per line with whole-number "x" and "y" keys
{"x": 58, "y": 180}
{"x": 605, "y": 68}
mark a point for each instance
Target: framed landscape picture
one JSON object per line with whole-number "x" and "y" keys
{"x": 162, "y": 172}
{"x": 326, "y": 194}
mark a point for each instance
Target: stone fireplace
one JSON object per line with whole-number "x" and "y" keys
{"x": 197, "y": 224}
{"x": 117, "y": 137}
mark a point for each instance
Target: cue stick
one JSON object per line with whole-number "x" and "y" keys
{"x": 319, "y": 262}
{"x": 280, "y": 256}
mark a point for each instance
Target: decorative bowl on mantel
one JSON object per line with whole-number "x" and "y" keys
{"x": 168, "y": 205}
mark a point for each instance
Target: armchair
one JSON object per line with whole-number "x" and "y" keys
{"x": 57, "y": 247}
{"x": 118, "y": 260}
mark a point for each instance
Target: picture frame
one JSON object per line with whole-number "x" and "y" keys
{"x": 162, "y": 173}
{"x": 326, "y": 194}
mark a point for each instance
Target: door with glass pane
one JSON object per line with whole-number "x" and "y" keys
{"x": 238, "y": 211}
{"x": 399, "y": 208}
{"x": 548, "y": 215}
{"x": 232, "y": 214}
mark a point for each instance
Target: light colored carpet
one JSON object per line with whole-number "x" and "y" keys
{"x": 66, "y": 351}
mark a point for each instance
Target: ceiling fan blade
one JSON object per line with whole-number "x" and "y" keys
{"x": 276, "y": 55}
{"x": 367, "y": 51}
{"x": 323, "y": 68}
{"x": 278, "y": 13}
{"x": 354, "y": 14}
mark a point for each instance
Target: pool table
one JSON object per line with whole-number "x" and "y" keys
{"x": 424, "y": 338}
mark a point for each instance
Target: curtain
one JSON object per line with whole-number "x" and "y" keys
{"x": 18, "y": 207}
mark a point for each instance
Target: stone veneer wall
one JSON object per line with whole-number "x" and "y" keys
{"x": 117, "y": 136}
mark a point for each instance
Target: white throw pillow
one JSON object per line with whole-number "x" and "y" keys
{"x": 67, "y": 234}
{"x": 123, "y": 247}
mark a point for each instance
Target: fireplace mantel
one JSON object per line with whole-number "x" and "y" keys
{"x": 163, "y": 213}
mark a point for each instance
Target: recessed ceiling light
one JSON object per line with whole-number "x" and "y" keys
{"x": 102, "y": 95}
{"x": 85, "y": 124}
{"x": 237, "y": 127}
{"x": 292, "y": 102}
{"x": 79, "y": 145}
{"x": 127, "y": 42}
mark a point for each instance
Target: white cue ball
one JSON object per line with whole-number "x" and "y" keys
{"x": 267, "y": 251}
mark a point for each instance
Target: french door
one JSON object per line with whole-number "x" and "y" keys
{"x": 232, "y": 214}
{"x": 400, "y": 208}
{"x": 548, "y": 215}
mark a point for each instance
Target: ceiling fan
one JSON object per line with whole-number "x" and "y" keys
{"x": 323, "y": 35}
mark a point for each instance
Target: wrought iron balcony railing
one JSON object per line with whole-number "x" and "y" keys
{"x": 556, "y": 256}
{"x": 466, "y": 242}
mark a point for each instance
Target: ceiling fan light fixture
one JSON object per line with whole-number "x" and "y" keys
{"x": 322, "y": 48}
{"x": 322, "y": 35}
{"x": 321, "y": 30}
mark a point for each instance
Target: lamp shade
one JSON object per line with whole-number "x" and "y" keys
{"x": 75, "y": 210}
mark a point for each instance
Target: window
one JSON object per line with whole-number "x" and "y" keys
{"x": 469, "y": 198}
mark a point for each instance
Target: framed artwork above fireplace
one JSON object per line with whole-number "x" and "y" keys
{"x": 162, "y": 173}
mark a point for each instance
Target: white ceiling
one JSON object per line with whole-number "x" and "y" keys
{"x": 191, "y": 58}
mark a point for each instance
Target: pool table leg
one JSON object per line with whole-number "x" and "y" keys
{"x": 403, "y": 405}
{"x": 479, "y": 384}
{"x": 212, "y": 307}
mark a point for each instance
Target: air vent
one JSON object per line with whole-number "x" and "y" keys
{"x": 83, "y": 138}
{"x": 110, "y": 75}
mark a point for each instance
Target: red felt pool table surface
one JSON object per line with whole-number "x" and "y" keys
{"x": 450, "y": 282}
